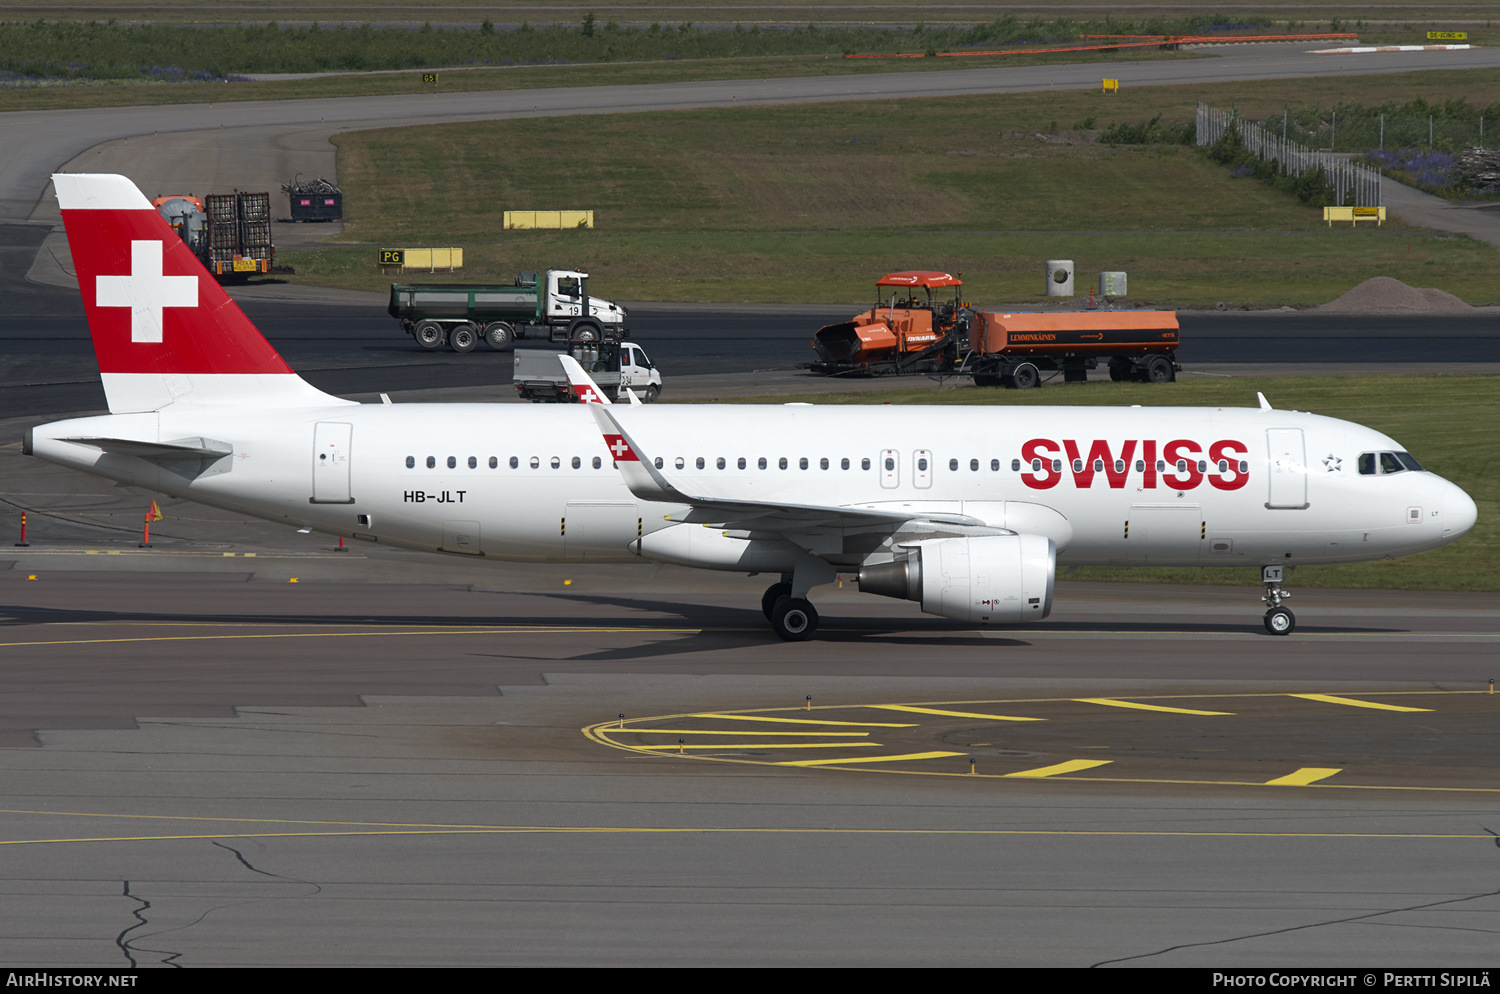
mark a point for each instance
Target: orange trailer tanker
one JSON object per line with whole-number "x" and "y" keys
{"x": 910, "y": 330}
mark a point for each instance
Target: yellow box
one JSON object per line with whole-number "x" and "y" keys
{"x": 549, "y": 219}
{"x": 430, "y": 259}
{"x": 1354, "y": 215}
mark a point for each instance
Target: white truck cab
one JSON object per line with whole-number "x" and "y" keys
{"x": 567, "y": 297}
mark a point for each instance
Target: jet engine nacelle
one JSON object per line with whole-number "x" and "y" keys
{"x": 993, "y": 579}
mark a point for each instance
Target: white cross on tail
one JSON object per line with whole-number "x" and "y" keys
{"x": 146, "y": 291}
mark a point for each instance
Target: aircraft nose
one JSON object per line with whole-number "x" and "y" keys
{"x": 1459, "y": 512}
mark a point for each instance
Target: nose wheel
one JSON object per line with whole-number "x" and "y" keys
{"x": 1279, "y": 620}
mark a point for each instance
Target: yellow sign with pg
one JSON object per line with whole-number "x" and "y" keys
{"x": 393, "y": 257}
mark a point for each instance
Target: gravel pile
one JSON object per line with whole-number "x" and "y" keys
{"x": 1383, "y": 295}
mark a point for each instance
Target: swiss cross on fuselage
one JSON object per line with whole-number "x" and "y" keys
{"x": 146, "y": 291}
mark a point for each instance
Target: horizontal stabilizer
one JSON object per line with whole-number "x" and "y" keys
{"x": 183, "y": 448}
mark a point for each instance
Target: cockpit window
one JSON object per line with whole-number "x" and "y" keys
{"x": 1386, "y": 463}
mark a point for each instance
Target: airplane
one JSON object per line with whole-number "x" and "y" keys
{"x": 967, "y": 510}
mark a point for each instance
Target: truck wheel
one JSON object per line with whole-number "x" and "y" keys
{"x": 1120, "y": 371}
{"x": 500, "y": 335}
{"x": 1025, "y": 376}
{"x": 652, "y": 392}
{"x": 584, "y": 331}
{"x": 463, "y": 338}
{"x": 1159, "y": 370}
{"x": 429, "y": 334}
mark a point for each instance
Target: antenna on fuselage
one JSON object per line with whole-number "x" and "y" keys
{"x": 1265, "y": 405}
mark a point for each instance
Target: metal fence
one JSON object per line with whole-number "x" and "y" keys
{"x": 1293, "y": 159}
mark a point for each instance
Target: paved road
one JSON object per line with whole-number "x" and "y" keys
{"x": 47, "y": 365}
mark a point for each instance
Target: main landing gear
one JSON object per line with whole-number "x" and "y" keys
{"x": 785, "y": 604}
{"x": 1279, "y": 620}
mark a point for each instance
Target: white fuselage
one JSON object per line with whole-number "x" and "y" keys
{"x": 1159, "y": 486}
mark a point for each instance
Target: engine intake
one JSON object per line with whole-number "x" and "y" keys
{"x": 992, "y": 579}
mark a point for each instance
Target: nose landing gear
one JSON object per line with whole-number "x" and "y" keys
{"x": 1279, "y": 620}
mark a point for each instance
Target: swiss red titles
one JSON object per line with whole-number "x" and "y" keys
{"x": 1179, "y": 464}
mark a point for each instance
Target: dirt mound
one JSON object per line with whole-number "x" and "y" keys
{"x": 1383, "y": 295}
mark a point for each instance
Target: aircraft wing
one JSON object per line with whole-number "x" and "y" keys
{"x": 584, "y": 387}
{"x": 647, "y": 482}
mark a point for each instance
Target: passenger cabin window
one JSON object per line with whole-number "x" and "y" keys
{"x": 431, "y": 462}
{"x": 473, "y": 462}
{"x": 864, "y": 463}
{"x": 411, "y": 462}
{"x": 515, "y": 462}
{"x": 494, "y": 462}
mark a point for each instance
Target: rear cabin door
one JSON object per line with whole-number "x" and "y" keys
{"x": 1287, "y": 469}
{"x": 331, "y": 443}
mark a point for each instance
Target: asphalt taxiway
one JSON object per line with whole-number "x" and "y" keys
{"x": 243, "y": 747}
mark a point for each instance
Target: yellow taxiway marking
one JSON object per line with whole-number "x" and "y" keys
{"x": 794, "y": 721}
{"x": 869, "y": 759}
{"x": 950, "y": 714}
{"x": 353, "y": 828}
{"x": 730, "y": 731}
{"x": 1137, "y": 705}
{"x": 1351, "y": 702}
{"x": 1071, "y": 766}
{"x": 768, "y": 745}
{"x": 1304, "y": 776}
{"x": 515, "y": 630}
{"x": 190, "y": 554}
